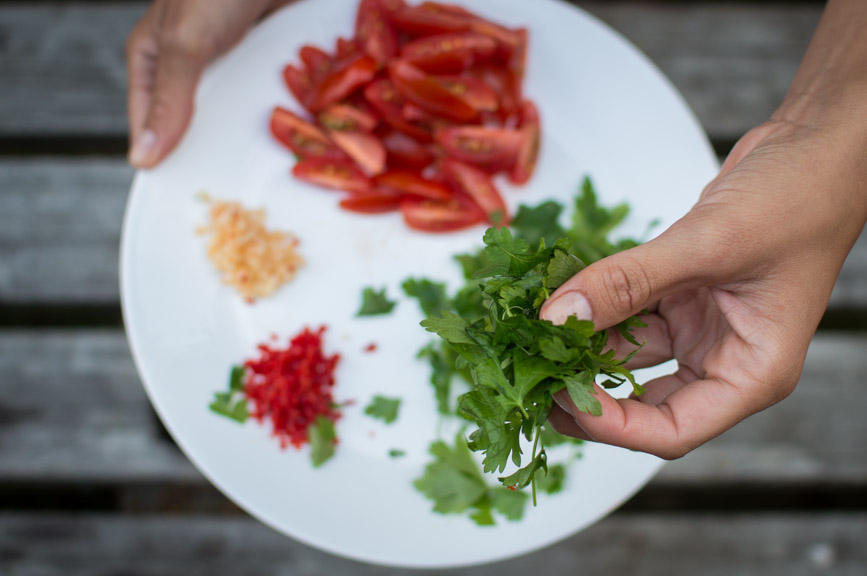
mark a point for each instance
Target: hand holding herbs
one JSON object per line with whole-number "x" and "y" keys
{"x": 518, "y": 361}
{"x": 492, "y": 337}
{"x": 736, "y": 288}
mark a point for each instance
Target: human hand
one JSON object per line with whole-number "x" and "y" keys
{"x": 166, "y": 53}
{"x": 737, "y": 287}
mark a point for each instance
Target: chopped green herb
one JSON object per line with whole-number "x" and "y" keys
{"x": 396, "y": 453}
{"x": 232, "y": 404}
{"x": 375, "y": 303}
{"x": 383, "y": 408}
{"x": 455, "y": 485}
{"x": 323, "y": 438}
{"x": 491, "y": 331}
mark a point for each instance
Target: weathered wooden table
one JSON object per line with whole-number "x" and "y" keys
{"x": 91, "y": 484}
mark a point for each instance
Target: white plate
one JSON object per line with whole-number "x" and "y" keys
{"x": 606, "y": 111}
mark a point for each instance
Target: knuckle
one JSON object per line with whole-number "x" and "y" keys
{"x": 185, "y": 39}
{"x": 626, "y": 285}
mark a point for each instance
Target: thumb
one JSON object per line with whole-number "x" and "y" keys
{"x": 614, "y": 288}
{"x": 170, "y": 106}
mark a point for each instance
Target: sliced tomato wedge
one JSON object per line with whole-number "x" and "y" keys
{"x": 413, "y": 184}
{"x": 299, "y": 84}
{"x": 346, "y": 118}
{"x": 302, "y": 137}
{"x": 505, "y": 84}
{"x": 364, "y": 148}
{"x": 387, "y": 101}
{"x": 406, "y": 152}
{"x": 373, "y": 202}
{"x": 374, "y": 32}
{"x": 531, "y": 141}
{"x": 318, "y": 63}
{"x": 473, "y": 91}
{"x": 449, "y": 53}
{"x": 430, "y": 18}
{"x": 477, "y": 185}
{"x": 491, "y": 149}
{"x": 431, "y": 216}
{"x": 336, "y": 174}
{"x": 342, "y": 82}
{"x": 346, "y": 49}
{"x": 424, "y": 91}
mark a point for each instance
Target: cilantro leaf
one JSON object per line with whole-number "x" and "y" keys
{"x": 323, "y": 438}
{"x": 383, "y": 408}
{"x": 375, "y": 303}
{"x": 395, "y": 453}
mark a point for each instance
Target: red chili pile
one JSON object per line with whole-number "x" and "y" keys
{"x": 415, "y": 113}
{"x": 292, "y": 387}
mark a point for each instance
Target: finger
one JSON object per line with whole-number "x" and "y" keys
{"x": 692, "y": 253}
{"x": 563, "y": 422}
{"x": 141, "y": 59}
{"x": 655, "y": 340}
{"x": 179, "y": 66}
{"x": 688, "y": 416}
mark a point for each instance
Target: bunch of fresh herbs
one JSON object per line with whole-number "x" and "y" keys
{"x": 491, "y": 335}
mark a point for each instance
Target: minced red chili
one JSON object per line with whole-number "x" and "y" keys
{"x": 292, "y": 386}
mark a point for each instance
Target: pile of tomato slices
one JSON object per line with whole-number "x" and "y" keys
{"x": 416, "y": 113}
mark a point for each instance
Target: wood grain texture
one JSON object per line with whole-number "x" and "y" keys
{"x": 62, "y": 65}
{"x": 79, "y": 414}
{"x": 710, "y": 545}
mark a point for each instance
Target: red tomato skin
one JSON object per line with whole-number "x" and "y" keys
{"x": 365, "y": 149}
{"x": 476, "y": 93}
{"x": 299, "y": 84}
{"x": 374, "y": 202}
{"x": 413, "y": 184}
{"x": 477, "y": 185}
{"x": 449, "y": 53}
{"x": 490, "y": 149}
{"x": 424, "y": 91}
{"x": 318, "y": 63}
{"x": 383, "y": 97}
{"x": 406, "y": 152}
{"x": 347, "y": 118}
{"x": 342, "y": 82}
{"x": 335, "y": 174}
{"x": 302, "y": 137}
{"x": 530, "y": 128}
{"x": 430, "y": 216}
{"x": 374, "y": 32}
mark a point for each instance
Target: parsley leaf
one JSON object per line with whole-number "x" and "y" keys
{"x": 517, "y": 361}
{"x": 455, "y": 485}
{"x": 323, "y": 438}
{"x": 383, "y": 408}
{"x": 431, "y": 296}
{"x": 375, "y": 303}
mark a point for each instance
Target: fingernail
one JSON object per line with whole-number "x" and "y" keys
{"x": 568, "y": 304}
{"x": 143, "y": 149}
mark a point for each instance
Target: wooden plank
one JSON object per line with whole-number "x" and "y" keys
{"x": 72, "y": 410}
{"x": 732, "y": 62}
{"x": 60, "y": 226}
{"x": 711, "y": 545}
